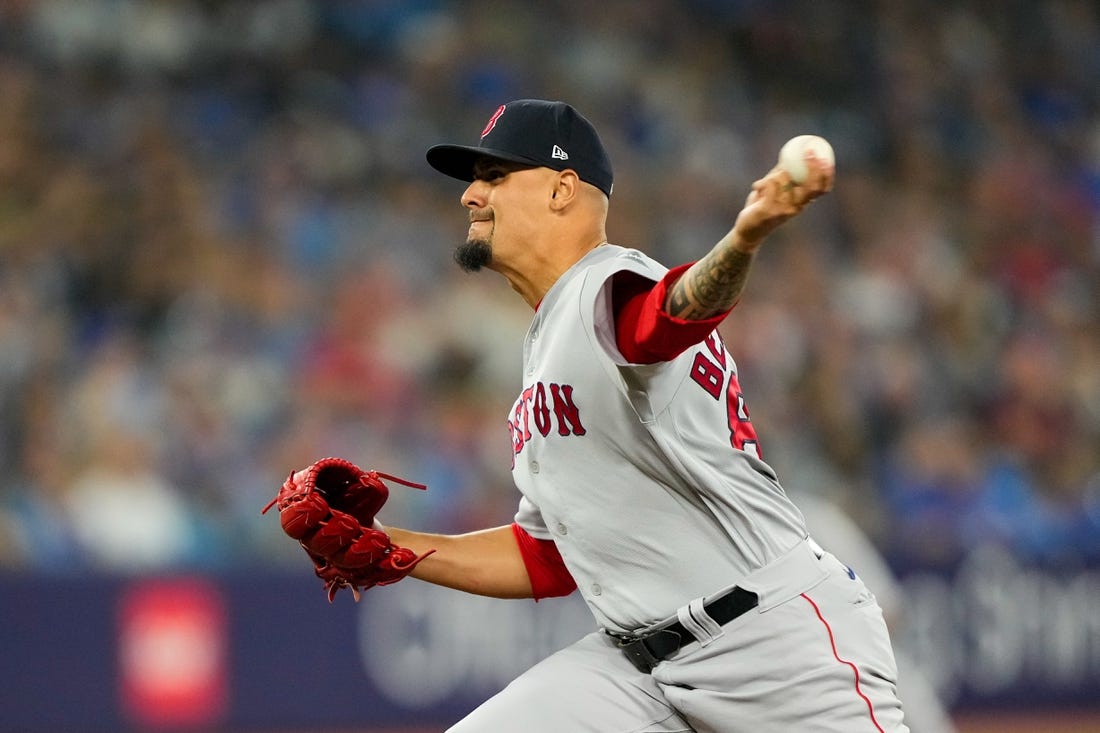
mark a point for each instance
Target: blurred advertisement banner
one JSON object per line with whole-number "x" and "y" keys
{"x": 266, "y": 651}
{"x": 424, "y": 644}
{"x": 172, "y": 653}
{"x": 999, "y": 633}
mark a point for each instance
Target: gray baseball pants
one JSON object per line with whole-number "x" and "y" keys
{"x": 820, "y": 660}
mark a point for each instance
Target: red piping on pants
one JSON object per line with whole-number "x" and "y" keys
{"x": 855, "y": 670}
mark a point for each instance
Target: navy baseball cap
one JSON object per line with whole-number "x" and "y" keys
{"x": 534, "y": 132}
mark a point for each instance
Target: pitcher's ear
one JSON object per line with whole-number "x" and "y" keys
{"x": 566, "y": 188}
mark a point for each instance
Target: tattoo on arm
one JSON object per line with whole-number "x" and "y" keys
{"x": 710, "y": 286}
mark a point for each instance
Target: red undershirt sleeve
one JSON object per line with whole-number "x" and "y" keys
{"x": 549, "y": 576}
{"x": 644, "y": 332}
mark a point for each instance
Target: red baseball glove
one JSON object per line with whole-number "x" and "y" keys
{"x": 329, "y": 508}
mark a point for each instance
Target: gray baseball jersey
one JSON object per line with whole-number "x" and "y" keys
{"x": 647, "y": 476}
{"x": 649, "y": 479}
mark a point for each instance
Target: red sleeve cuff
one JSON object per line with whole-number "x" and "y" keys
{"x": 549, "y": 576}
{"x": 644, "y": 332}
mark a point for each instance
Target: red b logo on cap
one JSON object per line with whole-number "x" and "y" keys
{"x": 492, "y": 121}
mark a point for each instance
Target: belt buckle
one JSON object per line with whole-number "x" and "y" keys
{"x": 639, "y": 653}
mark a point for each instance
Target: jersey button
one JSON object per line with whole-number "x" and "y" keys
{"x": 562, "y": 529}
{"x": 596, "y": 589}
{"x": 534, "y": 466}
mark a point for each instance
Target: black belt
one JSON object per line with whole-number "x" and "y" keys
{"x": 646, "y": 651}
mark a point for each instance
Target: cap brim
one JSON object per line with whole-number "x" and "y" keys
{"x": 457, "y": 161}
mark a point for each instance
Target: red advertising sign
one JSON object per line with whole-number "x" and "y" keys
{"x": 172, "y": 644}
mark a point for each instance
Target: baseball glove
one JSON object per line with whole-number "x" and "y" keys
{"x": 329, "y": 507}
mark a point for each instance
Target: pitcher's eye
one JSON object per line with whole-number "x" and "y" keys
{"x": 495, "y": 171}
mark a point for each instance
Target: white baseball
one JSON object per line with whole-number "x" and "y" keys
{"x": 792, "y": 155}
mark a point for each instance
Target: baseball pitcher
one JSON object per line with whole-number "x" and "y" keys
{"x": 643, "y": 484}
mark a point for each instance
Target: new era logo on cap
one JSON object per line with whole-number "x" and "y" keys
{"x": 533, "y": 132}
{"x": 492, "y": 121}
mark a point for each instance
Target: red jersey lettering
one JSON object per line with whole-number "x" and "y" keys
{"x": 534, "y": 407}
{"x": 711, "y": 375}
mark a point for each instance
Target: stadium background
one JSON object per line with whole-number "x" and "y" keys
{"x": 222, "y": 256}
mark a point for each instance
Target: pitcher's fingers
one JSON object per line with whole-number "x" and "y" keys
{"x": 821, "y": 176}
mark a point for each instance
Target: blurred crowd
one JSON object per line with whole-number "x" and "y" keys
{"x": 222, "y": 256}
